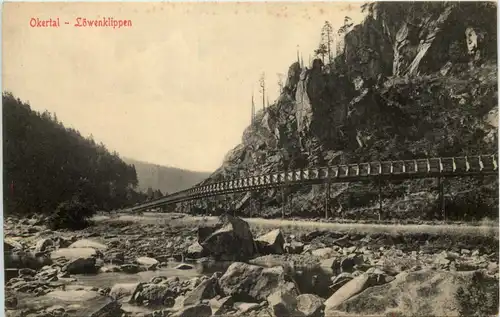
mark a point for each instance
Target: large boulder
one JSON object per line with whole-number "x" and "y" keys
{"x": 81, "y": 266}
{"x": 153, "y": 295}
{"x": 351, "y": 288}
{"x": 195, "y": 251}
{"x": 205, "y": 290}
{"x": 251, "y": 283}
{"x": 220, "y": 306}
{"x": 283, "y": 304}
{"x": 310, "y": 305}
{"x": 229, "y": 239}
{"x": 427, "y": 292}
{"x": 123, "y": 291}
{"x": 271, "y": 242}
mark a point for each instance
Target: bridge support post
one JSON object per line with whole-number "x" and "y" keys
{"x": 224, "y": 204}
{"x": 380, "y": 208}
{"x": 257, "y": 205}
{"x": 283, "y": 202}
{"x": 252, "y": 204}
{"x": 327, "y": 201}
{"x": 228, "y": 205}
{"x": 442, "y": 203}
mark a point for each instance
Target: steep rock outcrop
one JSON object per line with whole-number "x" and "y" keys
{"x": 414, "y": 80}
{"x": 367, "y": 51}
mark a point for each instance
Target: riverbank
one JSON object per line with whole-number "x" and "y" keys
{"x": 129, "y": 263}
{"x": 486, "y": 228}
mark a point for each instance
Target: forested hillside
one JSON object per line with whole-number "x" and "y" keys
{"x": 164, "y": 178}
{"x": 46, "y": 164}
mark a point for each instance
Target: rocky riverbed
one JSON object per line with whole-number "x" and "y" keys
{"x": 172, "y": 268}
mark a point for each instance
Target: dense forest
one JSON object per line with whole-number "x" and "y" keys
{"x": 47, "y": 165}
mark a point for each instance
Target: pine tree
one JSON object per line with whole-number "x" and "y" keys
{"x": 327, "y": 36}
{"x": 325, "y": 48}
{"x": 321, "y": 51}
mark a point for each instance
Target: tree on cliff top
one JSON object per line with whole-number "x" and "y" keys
{"x": 326, "y": 45}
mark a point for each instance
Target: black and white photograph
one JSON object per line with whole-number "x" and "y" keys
{"x": 253, "y": 159}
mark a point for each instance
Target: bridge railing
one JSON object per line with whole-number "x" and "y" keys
{"x": 428, "y": 167}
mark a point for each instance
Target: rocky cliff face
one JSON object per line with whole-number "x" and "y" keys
{"x": 414, "y": 80}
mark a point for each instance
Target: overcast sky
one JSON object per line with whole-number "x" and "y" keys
{"x": 175, "y": 88}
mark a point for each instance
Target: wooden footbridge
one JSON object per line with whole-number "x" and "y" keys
{"x": 441, "y": 167}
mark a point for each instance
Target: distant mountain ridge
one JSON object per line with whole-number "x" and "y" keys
{"x": 166, "y": 179}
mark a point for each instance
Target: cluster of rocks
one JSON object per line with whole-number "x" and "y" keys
{"x": 242, "y": 289}
{"x": 272, "y": 274}
{"x": 251, "y": 290}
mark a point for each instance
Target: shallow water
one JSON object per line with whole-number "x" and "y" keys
{"x": 103, "y": 280}
{"x": 309, "y": 280}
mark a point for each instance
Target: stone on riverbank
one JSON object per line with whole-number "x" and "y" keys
{"x": 147, "y": 262}
{"x": 271, "y": 242}
{"x": 123, "y": 291}
{"x": 81, "y": 266}
{"x": 310, "y": 305}
{"x": 351, "y": 288}
{"x": 283, "y": 304}
{"x": 426, "y": 292}
{"x": 229, "y": 239}
{"x": 251, "y": 283}
{"x": 86, "y": 243}
{"x": 207, "y": 289}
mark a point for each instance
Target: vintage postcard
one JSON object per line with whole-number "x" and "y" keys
{"x": 192, "y": 159}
